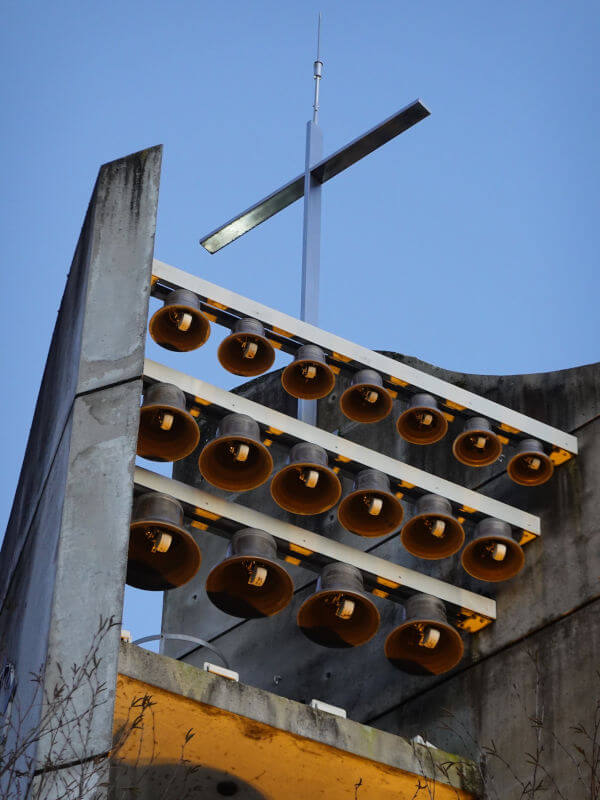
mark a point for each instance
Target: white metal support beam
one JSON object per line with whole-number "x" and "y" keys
{"x": 343, "y": 450}
{"x": 344, "y": 352}
{"x": 383, "y": 573}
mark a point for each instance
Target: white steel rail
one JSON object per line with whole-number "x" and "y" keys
{"x": 343, "y": 350}
{"x": 390, "y": 575}
{"x": 346, "y": 451}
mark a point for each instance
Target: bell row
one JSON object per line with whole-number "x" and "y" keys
{"x": 181, "y": 325}
{"x": 251, "y": 583}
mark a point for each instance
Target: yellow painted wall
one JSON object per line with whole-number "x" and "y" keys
{"x": 237, "y": 754}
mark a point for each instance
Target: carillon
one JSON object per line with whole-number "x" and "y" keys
{"x": 339, "y": 613}
{"x": 249, "y": 582}
{"x": 180, "y": 324}
{"x": 530, "y": 466}
{"x": 477, "y": 445}
{"x": 370, "y": 509}
{"x": 308, "y": 377}
{"x": 236, "y": 459}
{"x": 422, "y": 422}
{"x": 307, "y": 485}
{"x": 246, "y": 351}
{"x": 433, "y": 532}
{"x": 424, "y": 644}
{"x": 167, "y": 432}
{"x": 493, "y": 555}
{"x": 366, "y": 399}
{"x": 162, "y": 554}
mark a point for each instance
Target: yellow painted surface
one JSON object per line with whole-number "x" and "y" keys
{"x": 278, "y": 764}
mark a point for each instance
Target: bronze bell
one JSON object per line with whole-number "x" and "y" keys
{"x": 246, "y": 351}
{"x": 236, "y": 459}
{"x": 167, "y": 431}
{"x": 433, "y": 532}
{"x": 249, "y": 582}
{"x": 180, "y": 324}
{"x": 425, "y": 644}
{"x": 530, "y": 466}
{"x": 162, "y": 554}
{"x": 493, "y": 555}
{"x": 477, "y": 445}
{"x": 366, "y": 399}
{"x": 422, "y": 422}
{"x": 308, "y": 377}
{"x": 306, "y": 485}
{"x": 339, "y": 613}
{"x": 370, "y": 509}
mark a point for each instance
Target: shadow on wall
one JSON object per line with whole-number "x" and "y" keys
{"x": 177, "y": 781}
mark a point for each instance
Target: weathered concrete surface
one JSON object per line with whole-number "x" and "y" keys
{"x": 63, "y": 558}
{"x": 559, "y": 581}
{"x": 320, "y": 743}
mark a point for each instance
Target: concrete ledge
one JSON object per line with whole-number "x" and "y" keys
{"x": 256, "y": 704}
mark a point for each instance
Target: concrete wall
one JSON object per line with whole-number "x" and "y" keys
{"x": 63, "y": 559}
{"x": 550, "y": 609}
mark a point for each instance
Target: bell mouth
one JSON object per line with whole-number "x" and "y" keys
{"x": 353, "y": 513}
{"x": 298, "y": 385}
{"x": 218, "y": 464}
{"x": 521, "y": 468}
{"x": 356, "y": 405}
{"x": 403, "y": 650}
{"x": 174, "y": 444}
{"x": 292, "y": 494}
{"x": 232, "y": 350}
{"x": 319, "y": 622}
{"x": 152, "y": 572}
{"x": 477, "y": 559}
{"x": 228, "y": 588}
{"x": 412, "y": 425}
{"x": 164, "y": 328}
{"x": 469, "y": 450}
{"x": 418, "y": 538}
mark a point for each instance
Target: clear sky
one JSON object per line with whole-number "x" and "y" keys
{"x": 470, "y": 241}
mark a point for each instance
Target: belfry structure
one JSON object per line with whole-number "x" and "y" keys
{"x": 376, "y": 572}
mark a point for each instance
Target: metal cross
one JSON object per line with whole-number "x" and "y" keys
{"x": 308, "y": 185}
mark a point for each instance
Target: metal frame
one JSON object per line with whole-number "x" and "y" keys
{"x": 388, "y": 579}
{"x": 348, "y": 455}
{"x": 289, "y": 333}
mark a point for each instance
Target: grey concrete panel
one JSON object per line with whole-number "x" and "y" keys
{"x": 92, "y": 558}
{"x": 496, "y": 699}
{"x": 100, "y": 330}
{"x": 120, "y": 266}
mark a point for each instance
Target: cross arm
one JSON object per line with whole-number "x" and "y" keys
{"x": 323, "y": 171}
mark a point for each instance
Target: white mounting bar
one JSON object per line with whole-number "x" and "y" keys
{"x": 388, "y": 576}
{"x": 345, "y": 452}
{"x": 351, "y": 355}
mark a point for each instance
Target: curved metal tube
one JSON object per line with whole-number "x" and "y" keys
{"x": 183, "y": 637}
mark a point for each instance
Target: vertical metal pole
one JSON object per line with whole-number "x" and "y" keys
{"x": 311, "y": 249}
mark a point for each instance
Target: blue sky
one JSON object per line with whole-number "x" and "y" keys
{"x": 470, "y": 241}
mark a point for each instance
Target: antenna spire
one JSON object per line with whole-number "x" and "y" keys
{"x": 318, "y": 73}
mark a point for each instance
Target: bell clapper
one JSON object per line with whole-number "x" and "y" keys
{"x": 345, "y": 608}
{"x": 249, "y": 349}
{"x": 479, "y": 442}
{"x": 533, "y": 463}
{"x": 370, "y": 395}
{"x": 165, "y": 420}
{"x": 181, "y": 319}
{"x": 310, "y": 477}
{"x": 160, "y": 541}
{"x": 437, "y": 528}
{"x": 374, "y": 505}
{"x": 498, "y": 551}
{"x": 257, "y": 574}
{"x": 428, "y": 637}
{"x": 309, "y": 372}
{"x": 240, "y": 451}
{"x": 425, "y": 418}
